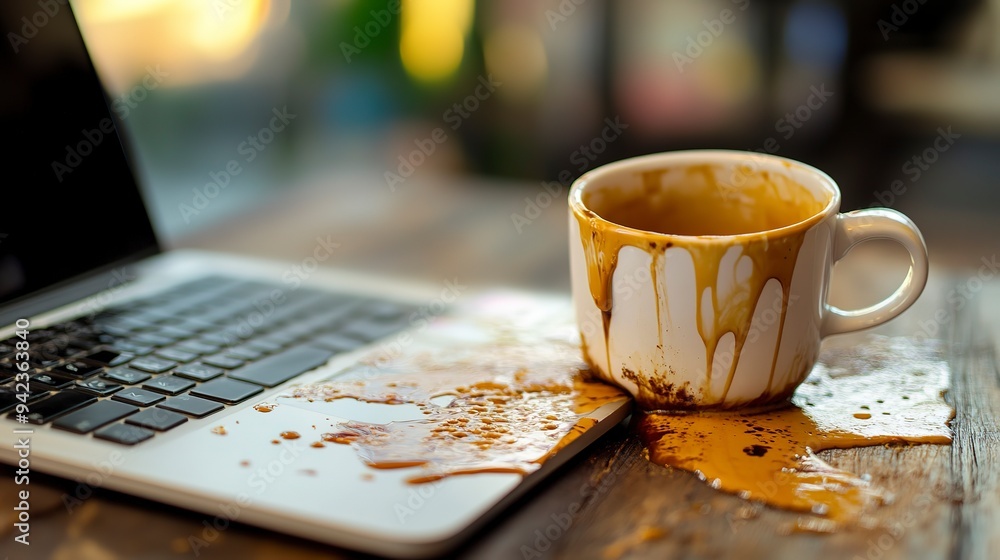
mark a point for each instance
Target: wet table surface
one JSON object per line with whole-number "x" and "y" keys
{"x": 947, "y": 498}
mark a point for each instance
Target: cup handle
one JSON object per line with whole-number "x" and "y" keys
{"x": 877, "y": 223}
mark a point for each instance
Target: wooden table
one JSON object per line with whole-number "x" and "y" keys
{"x": 434, "y": 230}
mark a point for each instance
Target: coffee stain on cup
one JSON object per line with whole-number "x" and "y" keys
{"x": 701, "y": 217}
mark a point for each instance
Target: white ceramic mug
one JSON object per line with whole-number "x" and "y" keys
{"x": 714, "y": 318}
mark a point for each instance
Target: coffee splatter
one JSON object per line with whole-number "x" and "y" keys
{"x": 769, "y": 456}
{"x": 514, "y": 402}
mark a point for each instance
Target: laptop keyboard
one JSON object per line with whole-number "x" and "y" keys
{"x": 129, "y": 372}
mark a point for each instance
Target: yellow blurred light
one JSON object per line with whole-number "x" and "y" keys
{"x": 516, "y": 55}
{"x": 432, "y": 38}
{"x": 193, "y": 40}
{"x": 228, "y": 28}
{"x": 108, "y": 10}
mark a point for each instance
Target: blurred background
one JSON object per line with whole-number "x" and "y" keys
{"x": 398, "y": 109}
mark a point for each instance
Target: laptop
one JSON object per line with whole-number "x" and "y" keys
{"x": 161, "y": 374}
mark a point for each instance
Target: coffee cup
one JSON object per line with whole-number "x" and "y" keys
{"x": 700, "y": 278}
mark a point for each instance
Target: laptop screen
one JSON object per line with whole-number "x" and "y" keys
{"x": 70, "y": 202}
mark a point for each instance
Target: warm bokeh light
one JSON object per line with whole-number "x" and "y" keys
{"x": 516, "y": 55}
{"x": 193, "y": 40}
{"x": 432, "y": 39}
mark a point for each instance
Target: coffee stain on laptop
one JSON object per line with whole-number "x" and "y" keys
{"x": 502, "y": 407}
{"x": 889, "y": 391}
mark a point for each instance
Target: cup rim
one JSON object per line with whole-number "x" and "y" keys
{"x": 578, "y": 207}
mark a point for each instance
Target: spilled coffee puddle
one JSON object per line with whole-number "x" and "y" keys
{"x": 499, "y": 407}
{"x": 886, "y": 391}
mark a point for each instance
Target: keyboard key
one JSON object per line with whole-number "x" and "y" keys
{"x": 280, "y": 338}
{"x": 372, "y": 330}
{"x": 113, "y": 330}
{"x": 244, "y": 352}
{"x": 98, "y": 387}
{"x": 229, "y": 391}
{"x": 79, "y": 370}
{"x": 263, "y": 346}
{"x": 109, "y": 358}
{"x": 223, "y": 361}
{"x": 197, "y": 347}
{"x": 126, "y": 375}
{"x": 386, "y": 309}
{"x": 124, "y": 434}
{"x": 151, "y": 339}
{"x": 278, "y": 368}
{"x": 132, "y": 348}
{"x": 336, "y": 342}
{"x": 9, "y": 398}
{"x": 218, "y": 338}
{"x": 94, "y": 416}
{"x": 198, "y": 371}
{"x": 192, "y": 406}
{"x": 152, "y": 364}
{"x": 56, "y": 405}
{"x": 138, "y": 397}
{"x": 168, "y": 384}
{"x": 156, "y": 419}
{"x": 175, "y": 354}
{"x": 43, "y": 360}
{"x": 177, "y": 331}
{"x": 49, "y": 380}
{"x": 58, "y": 350}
